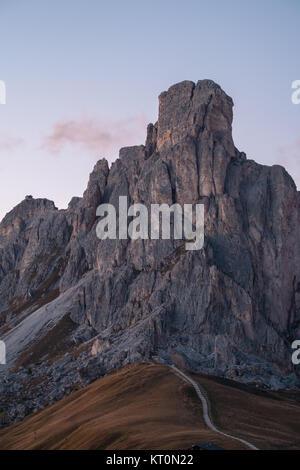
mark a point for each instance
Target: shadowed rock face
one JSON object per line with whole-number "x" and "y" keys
{"x": 232, "y": 308}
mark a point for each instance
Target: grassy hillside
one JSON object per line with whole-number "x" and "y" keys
{"x": 145, "y": 406}
{"x": 270, "y": 420}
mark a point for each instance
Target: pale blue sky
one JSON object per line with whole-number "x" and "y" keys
{"x": 83, "y": 77}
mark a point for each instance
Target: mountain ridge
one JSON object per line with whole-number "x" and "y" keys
{"x": 231, "y": 309}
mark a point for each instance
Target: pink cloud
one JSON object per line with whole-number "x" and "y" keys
{"x": 10, "y": 143}
{"x": 95, "y": 136}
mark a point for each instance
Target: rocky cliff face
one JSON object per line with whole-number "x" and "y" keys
{"x": 74, "y": 307}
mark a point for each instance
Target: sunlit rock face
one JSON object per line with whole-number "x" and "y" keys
{"x": 231, "y": 308}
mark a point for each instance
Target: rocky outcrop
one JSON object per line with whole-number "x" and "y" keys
{"x": 74, "y": 307}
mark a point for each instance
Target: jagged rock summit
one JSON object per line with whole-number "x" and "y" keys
{"x": 74, "y": 307}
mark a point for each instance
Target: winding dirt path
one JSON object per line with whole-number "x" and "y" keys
{"x": 206, "y": 416}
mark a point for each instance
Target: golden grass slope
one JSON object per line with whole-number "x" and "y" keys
{"x": 145, "y": 406}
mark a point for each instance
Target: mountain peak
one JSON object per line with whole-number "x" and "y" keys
{"x": 188, "y": 109}
{"x": 112, "y": 302}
